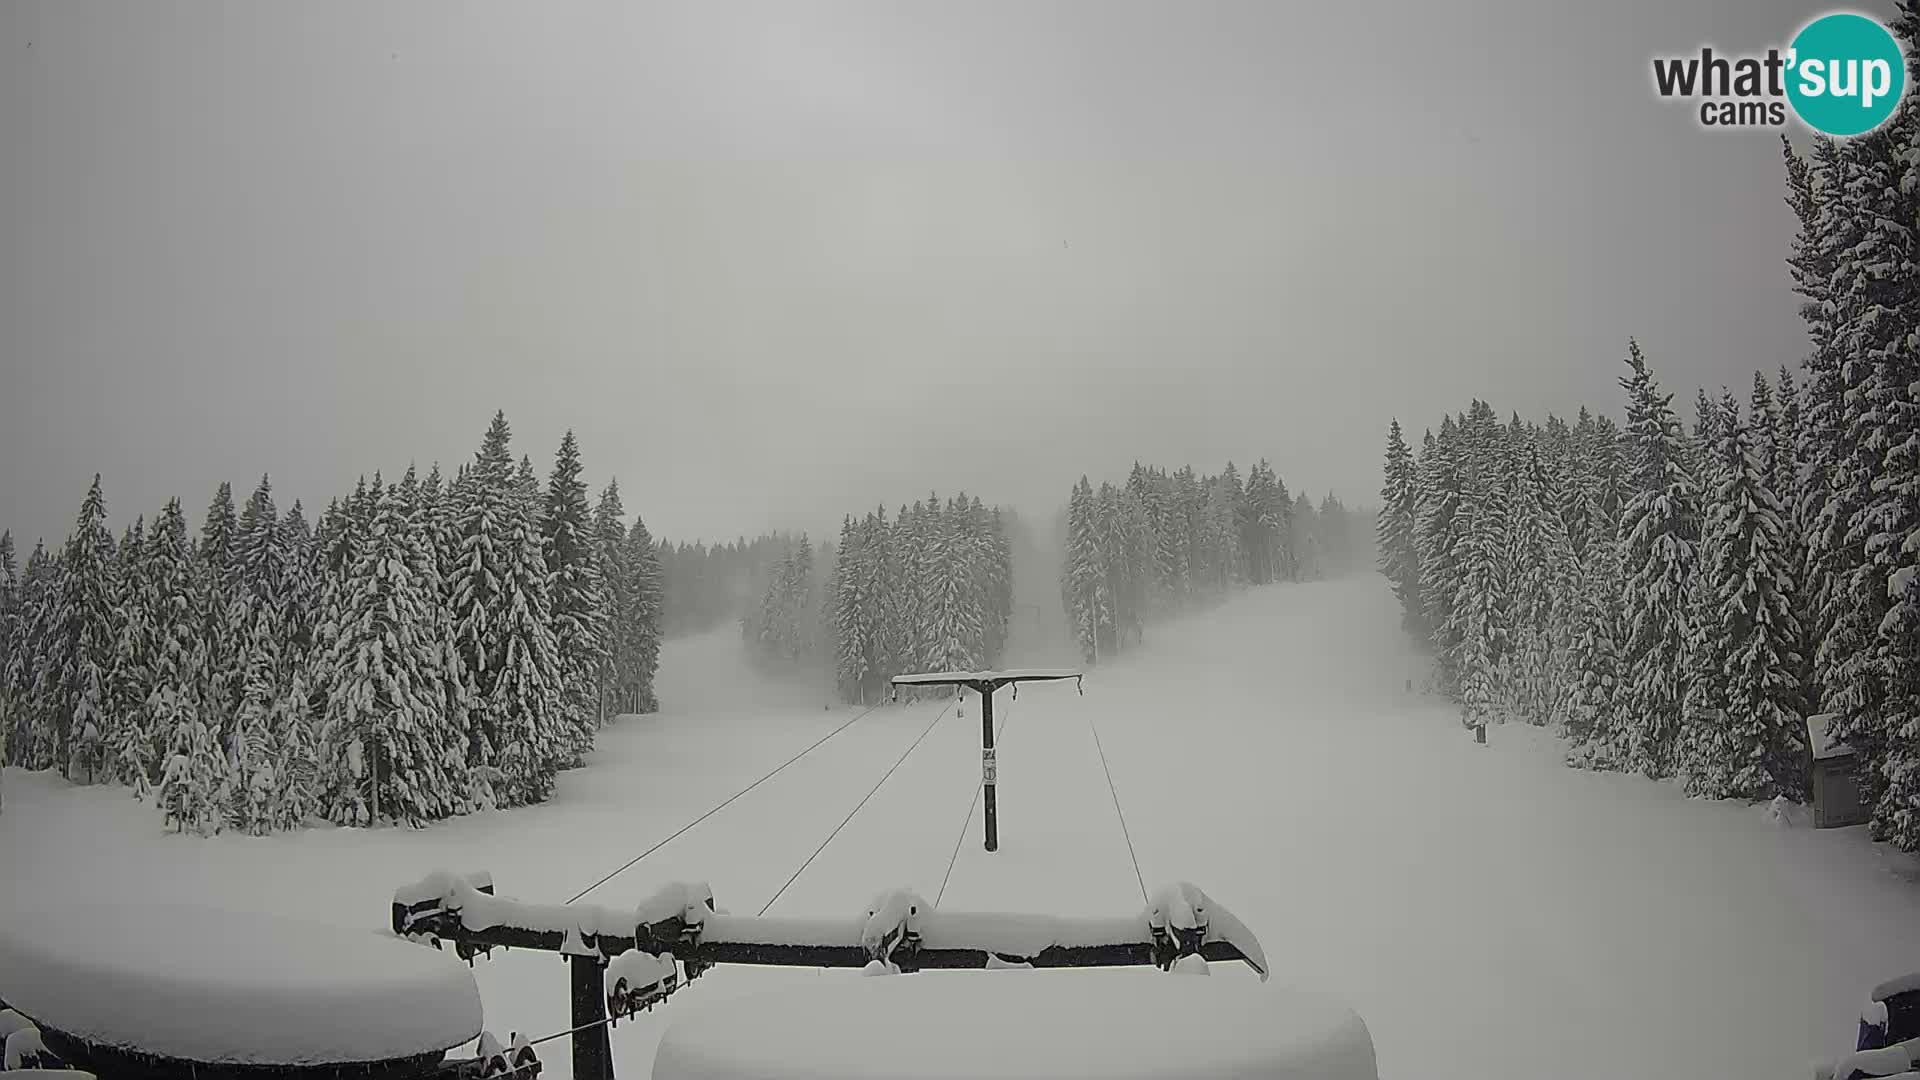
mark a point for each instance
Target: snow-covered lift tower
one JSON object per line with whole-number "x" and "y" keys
{"x": 985, "y": 683}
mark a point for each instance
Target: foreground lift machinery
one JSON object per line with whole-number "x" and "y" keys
{"x": 626, "y": 961}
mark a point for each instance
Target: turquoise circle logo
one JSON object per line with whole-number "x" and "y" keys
{"x": 1848, "y": 73}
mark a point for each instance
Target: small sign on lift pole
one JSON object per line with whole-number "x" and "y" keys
{"x": 985, "y": 683}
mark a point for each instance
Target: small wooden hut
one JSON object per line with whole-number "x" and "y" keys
{"x": 1834, "y": 780}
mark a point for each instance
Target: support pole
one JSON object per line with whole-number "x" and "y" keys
{"x": 592, "y": 1050}
{"x": 987, "y": 764}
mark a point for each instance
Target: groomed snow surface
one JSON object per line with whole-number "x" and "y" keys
{"x": 1486, "y": 911}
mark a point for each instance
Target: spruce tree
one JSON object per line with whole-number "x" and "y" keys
{"x": 388, "y": 749}
{"x": 1443, "y": 525}
{"x": 879, "y": 560}
{"x": 219, "y": 583}
{"x": 618, "y": 611}
{"x": 1540, "y": 575}
{"x": 1755, "y": 744}
{"x": 81, "y": 655}
{"x": 999, "y": 581}
{"x": 1284, "y": 560}
{"x": 576, "y": 596}
{"x": 503, "y": 626}
{"x": 851, "y": 632}
{"x": 170, "y": 602}
{"x": 193, "y": 788}
{"x": 1398, "y": 528}
{"x": 796, "y": 604}
{"x": 127, "y": 759}
{"x": 31, "y": 682}
{"x": 1883, "y": 270}
{"x": 647, "y": 618}
{"x": 1660, "y": 528}
{"x": 1594, "y": 726}
{"x": 1309, "y": 558}
{"x": 1084, "y": 583}
{"x": 10, "y": 631}
{"x": 1481, "y": 601}
{"x": 950, "y": 624}
{"x": 258, "y": 633}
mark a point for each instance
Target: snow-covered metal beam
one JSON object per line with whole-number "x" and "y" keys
{"x": 624, "y": 960}
{"x": 998, "y": 678}
{"x": 899, "y": 930}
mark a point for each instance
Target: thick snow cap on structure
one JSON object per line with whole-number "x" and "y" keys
{"x": 1903, "y": 985}
{"x": 940, "y": 678}
{"x": 1025, "y": 1025}
{"x": 1183, "y": 907}
{"x": 1819, "y": 734}
{"x": 232, "y": 988}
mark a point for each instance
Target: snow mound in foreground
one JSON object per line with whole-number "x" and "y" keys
{"x": 232, "y": 988}
{"x": 1029, "y": 1026}
{"x": 1788, "y": 814}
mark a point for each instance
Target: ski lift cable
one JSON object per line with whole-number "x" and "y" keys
{"x": 977, "y": 785}
{"x": 863, "y": 802}
{"x": 1121, "y": 814}
{"x": 689, "y": 825}
{"x": 572, "y": 1031}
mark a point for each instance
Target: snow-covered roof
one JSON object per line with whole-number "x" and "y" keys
{"x": 1020, "y": 674}
{"x": 223, "y": 987}
{"x": 1819, "y": 728}
{"x": 1019, "y": 1025}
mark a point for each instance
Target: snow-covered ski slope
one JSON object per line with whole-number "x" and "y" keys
{"x": 1490, "y": 913}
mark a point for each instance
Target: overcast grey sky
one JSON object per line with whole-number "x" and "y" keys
{"x": 776, "y": 262}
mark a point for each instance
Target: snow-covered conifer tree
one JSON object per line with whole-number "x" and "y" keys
{"x": 504, "y": 630}
{"x": 1753, "y": 742}
{"x": 388, "y": 749}
{"x": 1443, "y": 526}
{"x": 193, "y": 792}
{"x": 1540, "y": 582}
{"x": 1660, "y": 530}
{"x": 258, "y": 632}
{"x": 126, "y": 756}
{"x": 576, "y": 595}
{"x": 1398, "y": 528}
{"x": 617, "y": 608}
{"x": 81, "y": 653}
{"x": 647, "y": 618}
{"x": 32, "y": 684}
{"x": 1481, "y": 602}
{"x": 1088, "y": 603}
{"x": 219, "y": 573}
{"x": 851, "y": 632}
{"x": 1594, "y": 725}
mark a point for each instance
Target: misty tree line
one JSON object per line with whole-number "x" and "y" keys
{"x": 1704, "y": 592}
{"x": 1169, "y": 541}
{"x": 932, "y": 590}
{"x": 425, "y": 649}
{"x": 712, "y": 585}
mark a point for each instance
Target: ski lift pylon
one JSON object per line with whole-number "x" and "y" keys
{"x": 985, "y": 683}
